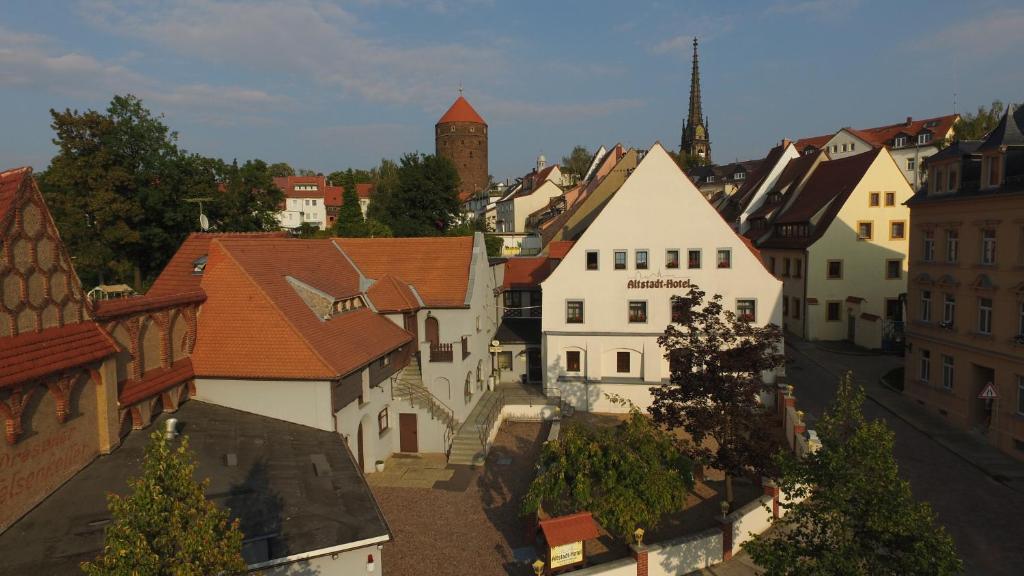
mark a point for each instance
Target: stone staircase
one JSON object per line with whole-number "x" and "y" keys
{"x": 470, "y": 444}
{"x": 409, "y": 385}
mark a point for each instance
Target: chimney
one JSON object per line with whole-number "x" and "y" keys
{"x": 785, "y": 143}
{"x": 909, "y": 120}
{"x": 171, "y": 428}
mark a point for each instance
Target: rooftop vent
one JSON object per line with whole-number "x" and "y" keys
{"x": 320, "y": 466}
{"x": 231, "y": 459}
{"x": 199, "y": 264}
{"x": 171, "y": 428}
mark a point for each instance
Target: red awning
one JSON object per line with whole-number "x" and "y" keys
{"x": 572, "y": 528}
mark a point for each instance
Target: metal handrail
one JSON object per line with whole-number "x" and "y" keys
{"x": 484, "y": 429}
{"x": 435, "y": 406}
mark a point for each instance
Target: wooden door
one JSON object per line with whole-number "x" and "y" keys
{"x": 433, "y": 330}
{"x": 408, "y": 436}
{"x": 359, "y": 446}
{"x": 533, "y": 365}
{"x": 413, "y": 327}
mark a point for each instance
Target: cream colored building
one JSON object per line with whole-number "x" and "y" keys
{"x": 838, "y": 240}
{"x": 609, "y": 299}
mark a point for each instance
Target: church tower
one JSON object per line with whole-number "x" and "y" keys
{"x": 696, "y": 140}
{"x": 461, "y": 136}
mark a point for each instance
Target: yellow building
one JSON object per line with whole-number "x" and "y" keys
{"x": 835, "y": 232}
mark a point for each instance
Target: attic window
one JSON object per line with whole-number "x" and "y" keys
{"x": 932, "y": 124}
{"x": 739, "y": 175}
{"x": 899, "y": 142}
{"x": 198, "y": 265}
{"x": 711, "y": 178}
{"x": 924, "y": 138}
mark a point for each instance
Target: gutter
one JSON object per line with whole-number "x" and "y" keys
{"x": 321, "y": 552}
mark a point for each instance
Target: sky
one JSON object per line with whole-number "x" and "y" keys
{"x": 330, "y": 85}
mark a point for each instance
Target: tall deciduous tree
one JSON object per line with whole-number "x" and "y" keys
{"x": 166, "y": 526}
{"x": 976, "y": 125}
{"x": 577, "y": 162}
{"x": 350, "y": 215}
{"x": 716, "y": 360}
{"x": 420, "y": 198}
{"x": 248, "y": 200}
{"x": 853, "y": 513}
{"x": 628, "y": 476}
{"x": 280, "y": 169}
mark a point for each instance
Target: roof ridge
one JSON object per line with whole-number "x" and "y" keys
{"x": 295, "y": 330}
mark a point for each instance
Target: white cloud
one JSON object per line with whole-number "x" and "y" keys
{"x": 519, "y": 110}
{"x": 704, "y": 28}
{"x": 990, "y": 35}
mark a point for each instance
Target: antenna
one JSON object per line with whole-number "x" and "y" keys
{"x": 460, "y": 87}
{"x": 954, "y": 102}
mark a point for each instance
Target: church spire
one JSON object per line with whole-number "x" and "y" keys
{"x": 695, "y": 141}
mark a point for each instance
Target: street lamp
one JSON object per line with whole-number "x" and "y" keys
{"x": 538, "y": 567}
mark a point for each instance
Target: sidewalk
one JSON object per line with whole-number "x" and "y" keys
{"x": 868, "y": 370}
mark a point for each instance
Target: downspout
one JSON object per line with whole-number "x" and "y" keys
{"x": 806, "y": 279}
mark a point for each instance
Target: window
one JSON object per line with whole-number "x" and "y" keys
{"x": 785, "y": 306}
{"x": 382, "y": 420}
{"x": 873, "y": 199}
{"x": 844, "y": 147}
{"x": 833, "y": 311}
{"x": 926, "y": 305}
{"x": 890, "y": 198}
{"x": 852, "y": 145}
{"x": 952, "y": 182}
{"x": 893, "y": 269}
{"x": 798, "y": 266}
{"x": 739, "y": 175}
{"x": 796, "y": 307}
{"x": 988, "y": 246}
{"x": 591, "y": 259}
{"x": 834, "y": 269}
{"x": 746, "y": 310}
{"x": 929, "y": 246}
{"x": 925, "y": 371}
{"x": 672, "y": 259}
{"x": 384, "y": 361}
{"x": 949, "y": 310}
{"x": 952, "y": 245}
{"x": 947, "y": 372}
{"x": 637, "y": 311}
{"x": 641, "y": 259}
{"x": 771, "y": 264}
{"x": 864, "y": 230}
{"x": 911, "y": 164}
{"x": 574, "y": 312}
{"x": 677, "y": 312}
{"x": 993, "y": 171}
{"x": 724, "y": 258}
{"x": 693, "y": 258}
{"x": 899, "y": 142}
{"x": 572, "y": 361}
{"x": 622, "y": 362}
{"x": 620, "y": 259}
{"x": 505, "y": 361}
{"x": 984, "y": 315}
{"x": 710, "y": 179}
{"x": 924, "y": 138}
{"x": 897, "y": 230}
{"x": 785, "y": 267}
{"x": 1020, "y": 394}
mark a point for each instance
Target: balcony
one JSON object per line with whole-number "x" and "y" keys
{"x": 441, "y": 352}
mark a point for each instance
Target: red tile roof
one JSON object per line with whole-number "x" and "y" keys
{"x": 526, "y": 272}
{"x": 10, "y": 183}
{"x": 832, "y": 180}
{"x": 559, "y": 248}
{"x": 156, "y": 381}
{"x": 287, "y": 185}
{"x": 388, "y": 294}
{"x": 106, "y": 309}
{"x": 437, "y": 267}
{"x": 36, "y": 354}
{"x": 177, "y": 277}
{"x": 333, "y": 194}
{"x": 461, "y": 111}
{"x": 255, "y": 325}
{"x": 567, "y": 529}
{"x": 883, "y": 135}
{"x": 815, "y": 141}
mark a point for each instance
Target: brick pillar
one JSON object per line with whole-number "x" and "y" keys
{"x": 640, "y": 554}
{"x": 770, "y": 489}
{"x": 726, "y": 524}
{"x": 798, "y": 429}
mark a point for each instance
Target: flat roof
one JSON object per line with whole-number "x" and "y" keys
{"x": 284, "y": 506}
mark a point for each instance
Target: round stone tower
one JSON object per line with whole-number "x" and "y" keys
{"x": 461, "y": 136}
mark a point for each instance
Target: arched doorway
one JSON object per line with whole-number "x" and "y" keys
{"x": 433, "y": 331}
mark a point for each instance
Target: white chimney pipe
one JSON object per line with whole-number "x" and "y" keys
{"x": 171, "y": 428}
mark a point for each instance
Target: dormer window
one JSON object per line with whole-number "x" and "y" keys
{"x": 924, "y": 137}
{"x": 739, "y": 175}
{"x": 899, "y": 142}
{"x": 710, "y": 178}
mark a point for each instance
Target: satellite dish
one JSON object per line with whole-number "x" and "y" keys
{"x": 204, "y": 222}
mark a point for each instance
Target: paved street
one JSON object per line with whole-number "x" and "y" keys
{"x": 983, "y": 515}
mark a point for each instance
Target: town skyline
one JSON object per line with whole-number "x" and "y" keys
{"x": 372, "y": 78}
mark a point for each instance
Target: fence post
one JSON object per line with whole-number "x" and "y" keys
{"x": 640, "y": 554}
{"x": 771, "y": 489}
{"x": 726, "y": 524}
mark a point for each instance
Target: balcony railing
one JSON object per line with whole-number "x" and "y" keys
{"x": 441, "y": 352}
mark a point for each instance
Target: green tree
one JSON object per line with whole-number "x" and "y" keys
{"x": 361, "y": 176}
{"x": 166, "y": 526}
{"x": 471, "y": 226}
{"x": 716, "y": 360}
{"x": 281, "y": 169}
{"x": 248, "y": 200}
{"x": 116, "y": 191}
{"x": 350, "y": 215}
{"x": 577, "y": 162}
{"x": 628, "y": 476}
{"x": 420, "y": 198}
{"x": 853, "y": 513}
{"x": 976, "y": 125}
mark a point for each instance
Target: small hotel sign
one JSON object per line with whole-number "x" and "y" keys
{"x": 659, "y": 283}
{"x": 566, "y": 554}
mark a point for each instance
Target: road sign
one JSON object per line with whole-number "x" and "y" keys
{"x": 988, "y": 392}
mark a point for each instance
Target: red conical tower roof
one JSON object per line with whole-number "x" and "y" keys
{"x": 461, "y": 111}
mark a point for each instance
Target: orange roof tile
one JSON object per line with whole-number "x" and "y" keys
{"x": 389, "y": 294}
{"x": 333, "y": 194}
{"x": 567, "y": 529}
{"x": 106, "y": 309}
{"x": 559, "y": 248}
{"x": 177, "y": 277}
{"x": 36, "y": 354}
{"x": 437, "y": 267}
{"x": 156, "y": 381}
{"x": 526, "y": 272}
{"x": 10, "y": 183}
{"x": 461, "y": 111}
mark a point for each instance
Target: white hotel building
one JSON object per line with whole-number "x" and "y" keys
{"x": 610, "y": 298}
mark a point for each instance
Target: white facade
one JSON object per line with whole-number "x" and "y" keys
{"x": 309, "y": 210}
{"x": 767, "y": 184}
{"x": 656, "y": 210}
{"x": 908, "y": 155}
{"x": 513, "y": 211}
